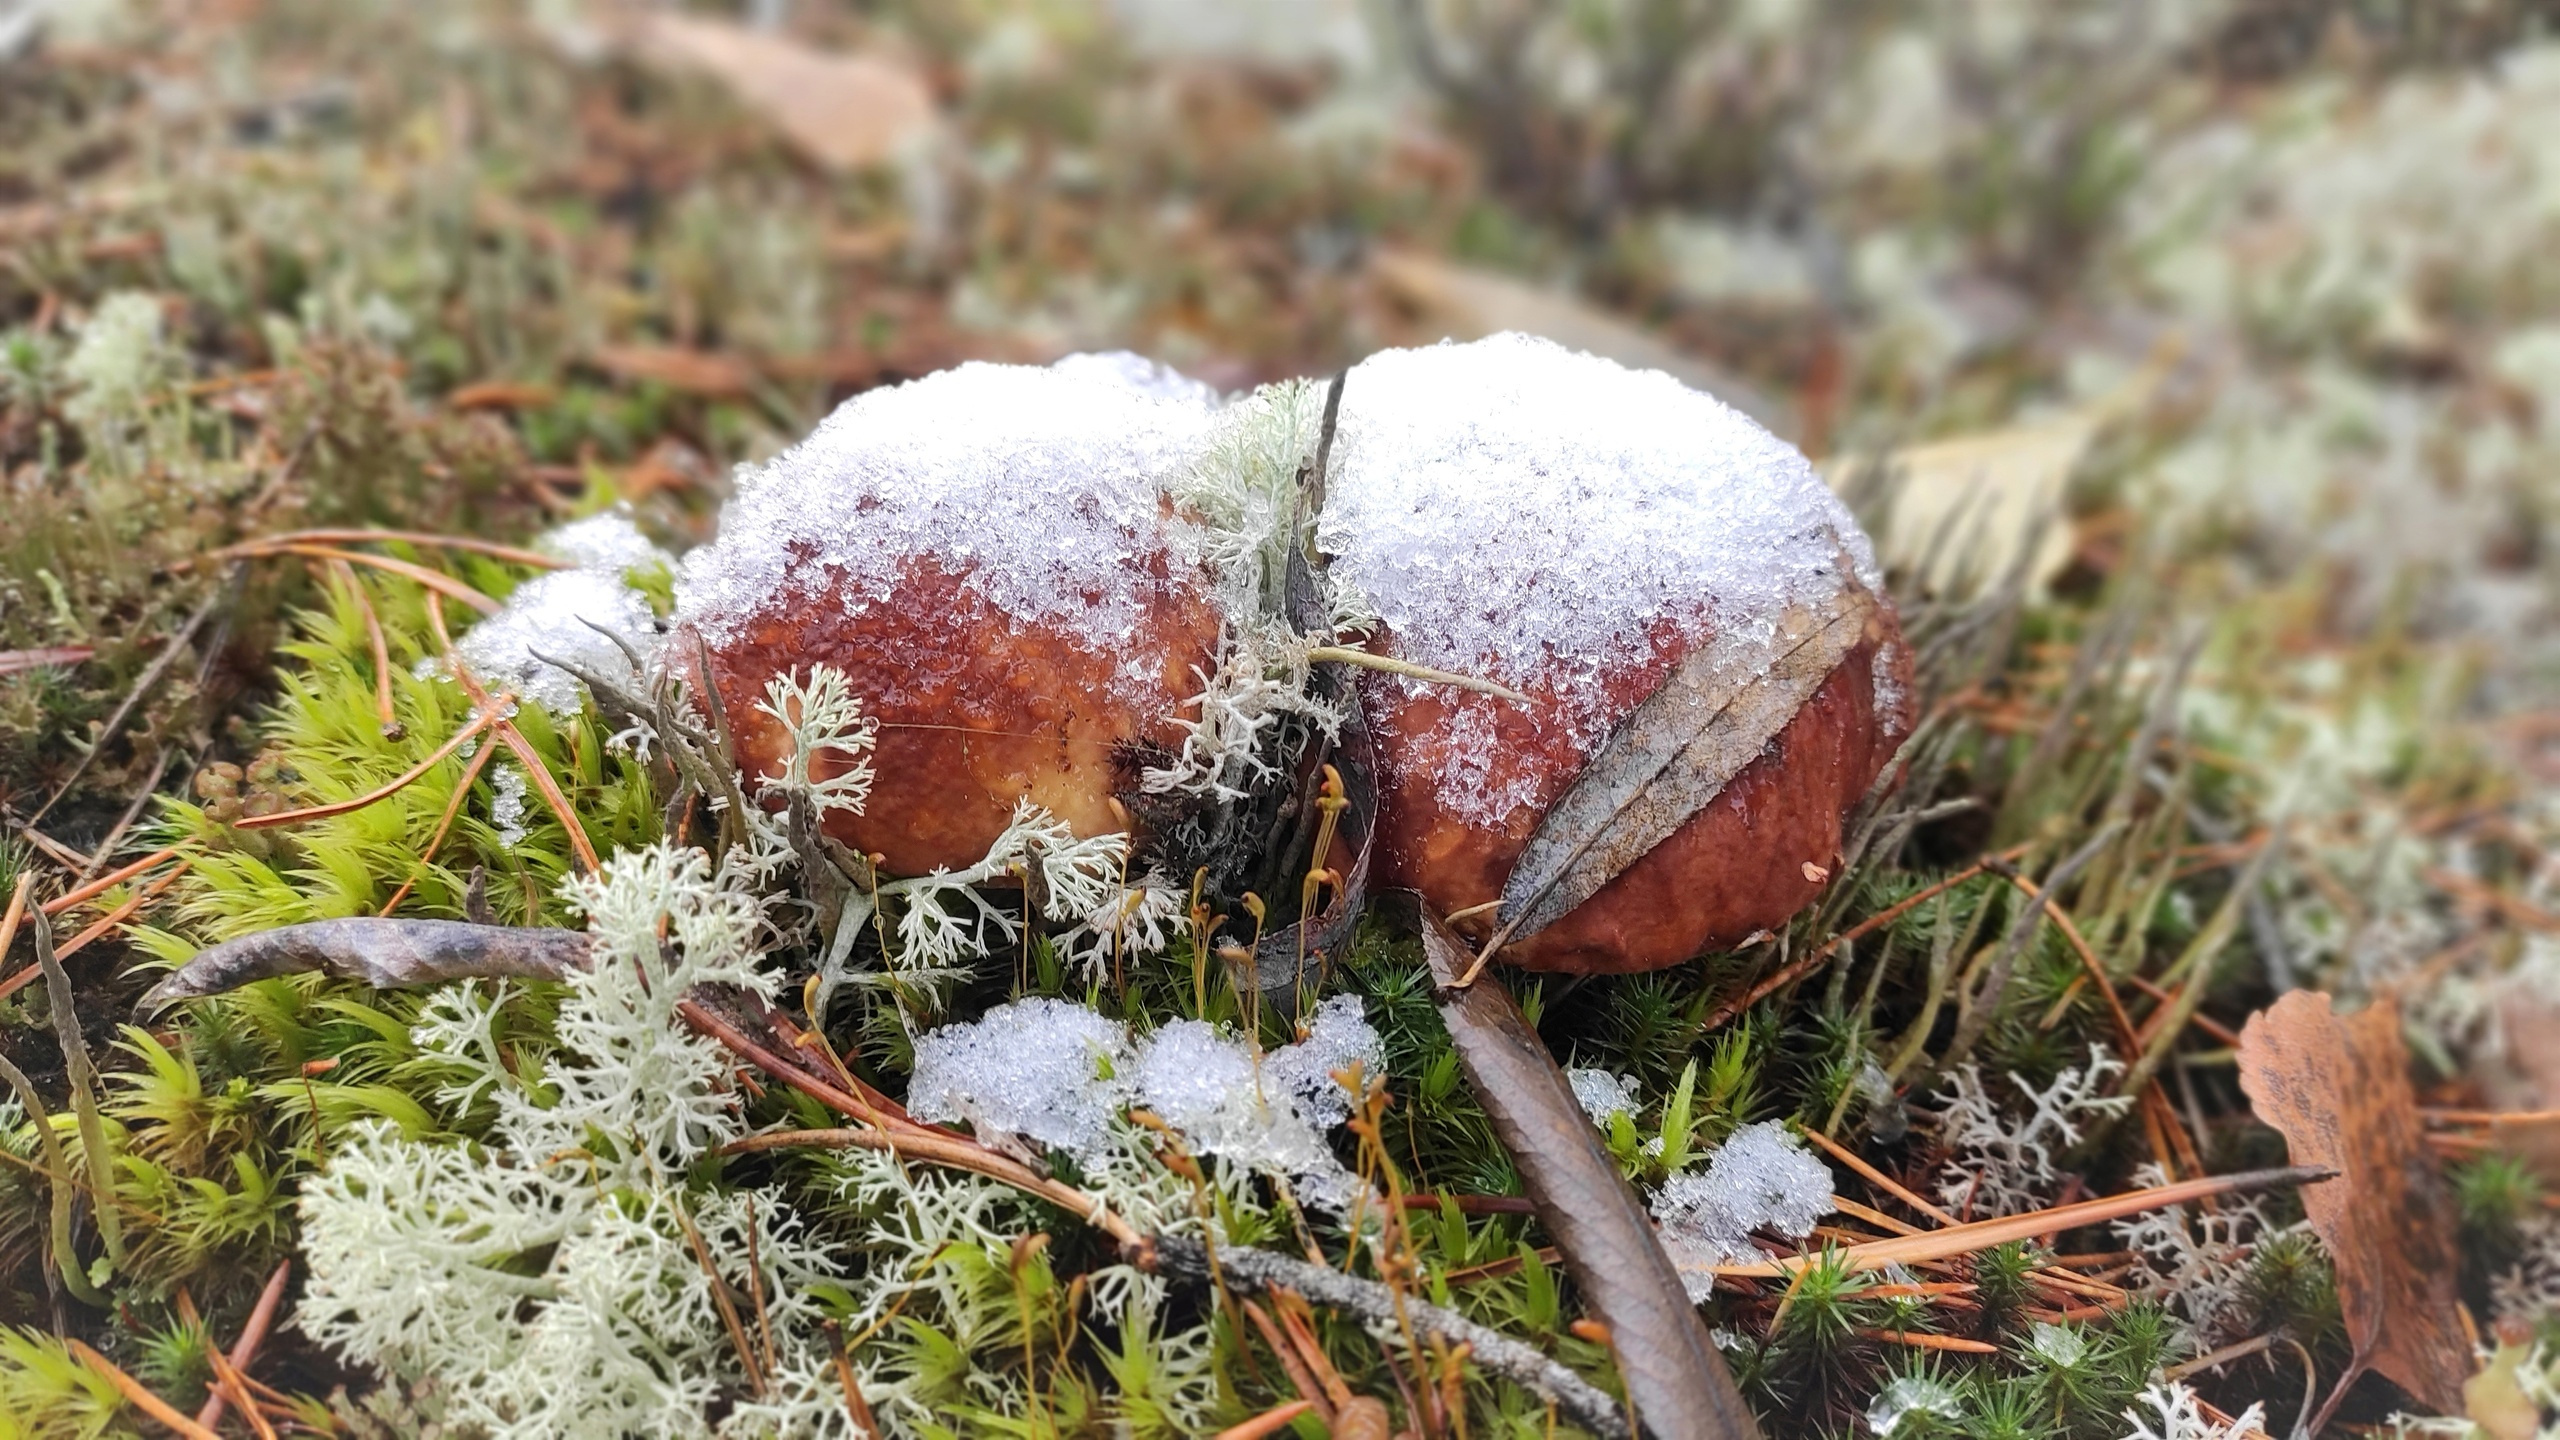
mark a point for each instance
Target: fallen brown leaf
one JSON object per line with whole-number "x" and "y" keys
{"x": 2338, "y": 1089}
{"x": 842, "y": 111}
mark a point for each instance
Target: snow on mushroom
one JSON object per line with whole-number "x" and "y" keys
{"x": 1554, "y": 522}
{"x": 988, "y": 554}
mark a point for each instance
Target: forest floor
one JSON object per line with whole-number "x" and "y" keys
{"x": 2199, "y": 381}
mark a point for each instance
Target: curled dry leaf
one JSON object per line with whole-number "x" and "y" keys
{"x": 1673, "y": 755}
{"x": 2338, "y": 1089}
{"x": 385, "y": 954}
{"x": 1674, "y": 1374}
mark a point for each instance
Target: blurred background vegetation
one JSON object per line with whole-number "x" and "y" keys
{"x": 2217, "y": 341}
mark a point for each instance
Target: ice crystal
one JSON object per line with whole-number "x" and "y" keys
{"x": 606, "y": 542}
{"x": 1270, "y": 1119}
{"x": 1059, "y": 1075}
{"x": 557, "y": 617}
{"x": 1040, "y": 489}
{"x": 1760, "y": 1178}
{"x": 506, "y": 805}
{"x": 2060, "y": 1346}
{"x": 2002, "y": 1166}
{"x": 1651, "y": 504}
{"x": 1131, "y": 371}
{"x": 1904, "y": 1396}
{"x": 1603, "y": 1095}
{"x": 2169, "y": 1410}
{"x": 1038, "y": 1070}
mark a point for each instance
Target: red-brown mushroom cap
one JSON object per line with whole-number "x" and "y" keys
{"x": 1574, "y": 530}
{"x": 986, "y": 553}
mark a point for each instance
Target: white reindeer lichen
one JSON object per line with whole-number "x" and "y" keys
{"x": 820, "y": 715}
{"x": 2003, "y": 1166}
{"x": 2169, "y": 1410}
{"x": 549, "y": 1281}
{"x": 2196, "y": 1262}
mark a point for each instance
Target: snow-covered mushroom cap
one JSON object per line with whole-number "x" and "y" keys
{"x": 987, "y": 554}
{"x": 1573, "y": 529}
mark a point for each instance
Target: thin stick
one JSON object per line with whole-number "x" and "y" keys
{"x": 1269, "y": 1422}
{"x": 132, "y": 812}
{"x": 559, "y": 803}
{"x": 480, "y": 759}
{"x": 80, "y": 941}
{"x": 487, "y": 717}
{"x": 389, "y": 717}
{"x": 1874, "y": 1176}
{"x": 720, "y": 1300}
{"x": 857, "y": 1409}
{"x": 230, "y": 1380}
{"x": 1983, "y": 1234}
{"x": 1314, "y": 1396}
{"x": 152, "y": 675}
{"x": 435, "y": 580}
{"x": 1795, "y": 970}
{"x": 957, "y": 1152}
{"x": 1344, "y": 655}
{"x": 270, "y": 544}
{"x": 140, "y": 1394}
{"x": 1922, "y": 1340}
{"x": 105, "y": 883}
{"x": 16, "y": 912}
{"x": 253, "y": 1334}
{"x": 1260, "y": 1271}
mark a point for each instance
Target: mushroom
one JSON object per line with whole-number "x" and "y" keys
{"x": 987, "y": 554}
{"x": 1582, "y": 533}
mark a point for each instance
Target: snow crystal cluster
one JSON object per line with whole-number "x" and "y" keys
{"x": 1059, "y": 1075}
{"x": 1760, "y": 1178}
{"x": 1519, "y": 511}
{"x": 2004, "y": 1165}
{"x": 1045, "y": 485}
{"x": 1604, "y": 1096}
{"x": 1908, "y": 1397}
{"x": 557, "y": 616}
{"x": 1038, "y": 1070}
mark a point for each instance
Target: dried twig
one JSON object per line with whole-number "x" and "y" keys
{"x": 244, "y": 1351}
{"x": 1262, "y": 1271}
{"x": 139, "y": 1393}
{"x": 1983, "y": 1234}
